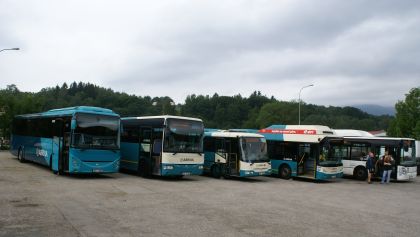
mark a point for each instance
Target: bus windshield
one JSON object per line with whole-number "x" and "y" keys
{"x": 332, "y": 152}
{"x": 407, "y": 153}
{"x": 183, "y": 136}
{"x": 95, "y": 131}
{"x": 254, "y": 149}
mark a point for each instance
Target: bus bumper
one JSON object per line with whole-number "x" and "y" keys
{"x": 253, "y": 173}
{"x": 325, "y": 176}
{"x": 176, "y": 169}
{"x": 77, "y": 166}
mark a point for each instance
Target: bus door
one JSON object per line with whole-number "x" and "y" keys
{"x": 145, "y": 152}
{"x": 232, "y": 149}
{"x": 156, "y": 150}
{"x": 306, "y": 160}
{"x": 59, "y": 158}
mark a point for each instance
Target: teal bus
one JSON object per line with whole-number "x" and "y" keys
{"x": 235, "y": 154}
{"x": 306, "y": 151}
{"x": 80, "y": 139}
{"x": 162, "y": 145}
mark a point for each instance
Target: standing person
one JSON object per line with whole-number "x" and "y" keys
{"x": 370, "y": 166}
{"x": 387, "y": 160}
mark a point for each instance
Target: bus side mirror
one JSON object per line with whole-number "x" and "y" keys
{"x": 73, "y": 124}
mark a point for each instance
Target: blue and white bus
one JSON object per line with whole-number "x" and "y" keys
{"x": 307, "y": 151}
{"x": 162, "y": 145}
{"x": 237, "y": 154}
{"x": 79, "y": 139}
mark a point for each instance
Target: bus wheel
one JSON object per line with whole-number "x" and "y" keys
{"x": 215, "y": 171}
{"x": 360, "y": 173}
{"x": 20, "y": 156}
{"x": 285, "y": 172}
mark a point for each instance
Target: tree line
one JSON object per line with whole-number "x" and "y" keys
{"x": 254, "y": 111}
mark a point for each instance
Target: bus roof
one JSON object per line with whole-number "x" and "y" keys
{"x": 352, "y": 133}
{"x": 227, "y": 133}
{"x": 161, "y": 117}
{"x": 69, "y": 111}
{"x": 297, "y": 133}
{"x": 373, "y": 138}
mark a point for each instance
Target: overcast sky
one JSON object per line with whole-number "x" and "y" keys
{"x": 354, "y": 52}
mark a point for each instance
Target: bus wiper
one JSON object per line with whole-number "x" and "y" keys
{"x": 175, "y": 152}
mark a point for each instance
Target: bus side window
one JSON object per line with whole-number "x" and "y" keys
{"x": 157, "y": 146}
{"x": 209, "y": 144}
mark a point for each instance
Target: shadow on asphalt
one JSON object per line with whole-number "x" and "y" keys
{"x": 75, "y": 175}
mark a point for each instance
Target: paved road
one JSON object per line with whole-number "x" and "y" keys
{"x": 34, "y": 202}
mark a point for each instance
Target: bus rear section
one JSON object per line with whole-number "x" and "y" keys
{"x": 162, "y": 145}
{"x": 306, "y": 151}
{"x": 235, "y": 154}
{"x": 70, "y": 140}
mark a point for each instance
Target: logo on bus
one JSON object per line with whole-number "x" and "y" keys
{"x": 187, "y": 159}
{"x": 289, "y": 131}
{"x": 41, "y": 152}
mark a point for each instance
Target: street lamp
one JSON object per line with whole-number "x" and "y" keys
{"x": 299, "y": 97}
{"x": 10, "y": 49}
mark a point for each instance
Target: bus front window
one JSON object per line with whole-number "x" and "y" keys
{"x": 96, "y": 132}
{"x": 254, "y": 149}
{"x": 183, "y": 136}
{"x": 331, "y": 154}
{"x": 407, "y": 154}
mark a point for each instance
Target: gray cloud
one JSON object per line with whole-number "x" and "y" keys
{"x": 354, "y": 51}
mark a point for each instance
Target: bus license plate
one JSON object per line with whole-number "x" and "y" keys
{"x": 333, "y": 177}
{"x": 186, "y": 173}
{"x": 97, "y": 171}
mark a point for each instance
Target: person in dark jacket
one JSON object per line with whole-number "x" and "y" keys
{"x": 370, "y": 166}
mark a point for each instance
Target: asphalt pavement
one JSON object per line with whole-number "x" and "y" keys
{"x": 35, "y": 202}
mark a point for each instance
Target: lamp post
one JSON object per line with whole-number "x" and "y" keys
{"x": 299, "y": 97}
{"x": 10, "y": 49}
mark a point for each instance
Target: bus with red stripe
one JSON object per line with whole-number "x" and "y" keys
{"x": 307, "y": 151}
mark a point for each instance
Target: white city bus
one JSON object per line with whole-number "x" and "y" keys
{"x": 357, "y": 147}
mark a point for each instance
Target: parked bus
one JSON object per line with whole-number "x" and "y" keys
{"x": 79, "y": 139}
{"x": 162, "y": 145}
{"x": 307, "y": 151}
{"x": 357, "y": 148}
{"x": 235, "y": 154}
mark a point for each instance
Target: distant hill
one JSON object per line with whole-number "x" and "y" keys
{"x": 376, "y": 109}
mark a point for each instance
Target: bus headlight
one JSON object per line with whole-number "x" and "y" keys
{"x": 319, "y": 169}
{"x": 404, "y": 170}
{"x": 200, "y": 167}
{"x": 168, "y": 167}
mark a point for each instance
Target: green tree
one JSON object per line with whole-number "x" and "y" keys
{"x": 407, "y": 117}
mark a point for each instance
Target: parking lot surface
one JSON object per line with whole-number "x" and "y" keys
{"x": 35, "y": 202}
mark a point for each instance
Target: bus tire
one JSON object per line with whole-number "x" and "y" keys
{"x": 215, "y": 171}
{"x": 20, "y": 156}
{"x": 360, "y": 173}
{"x": 285, "y": 172}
